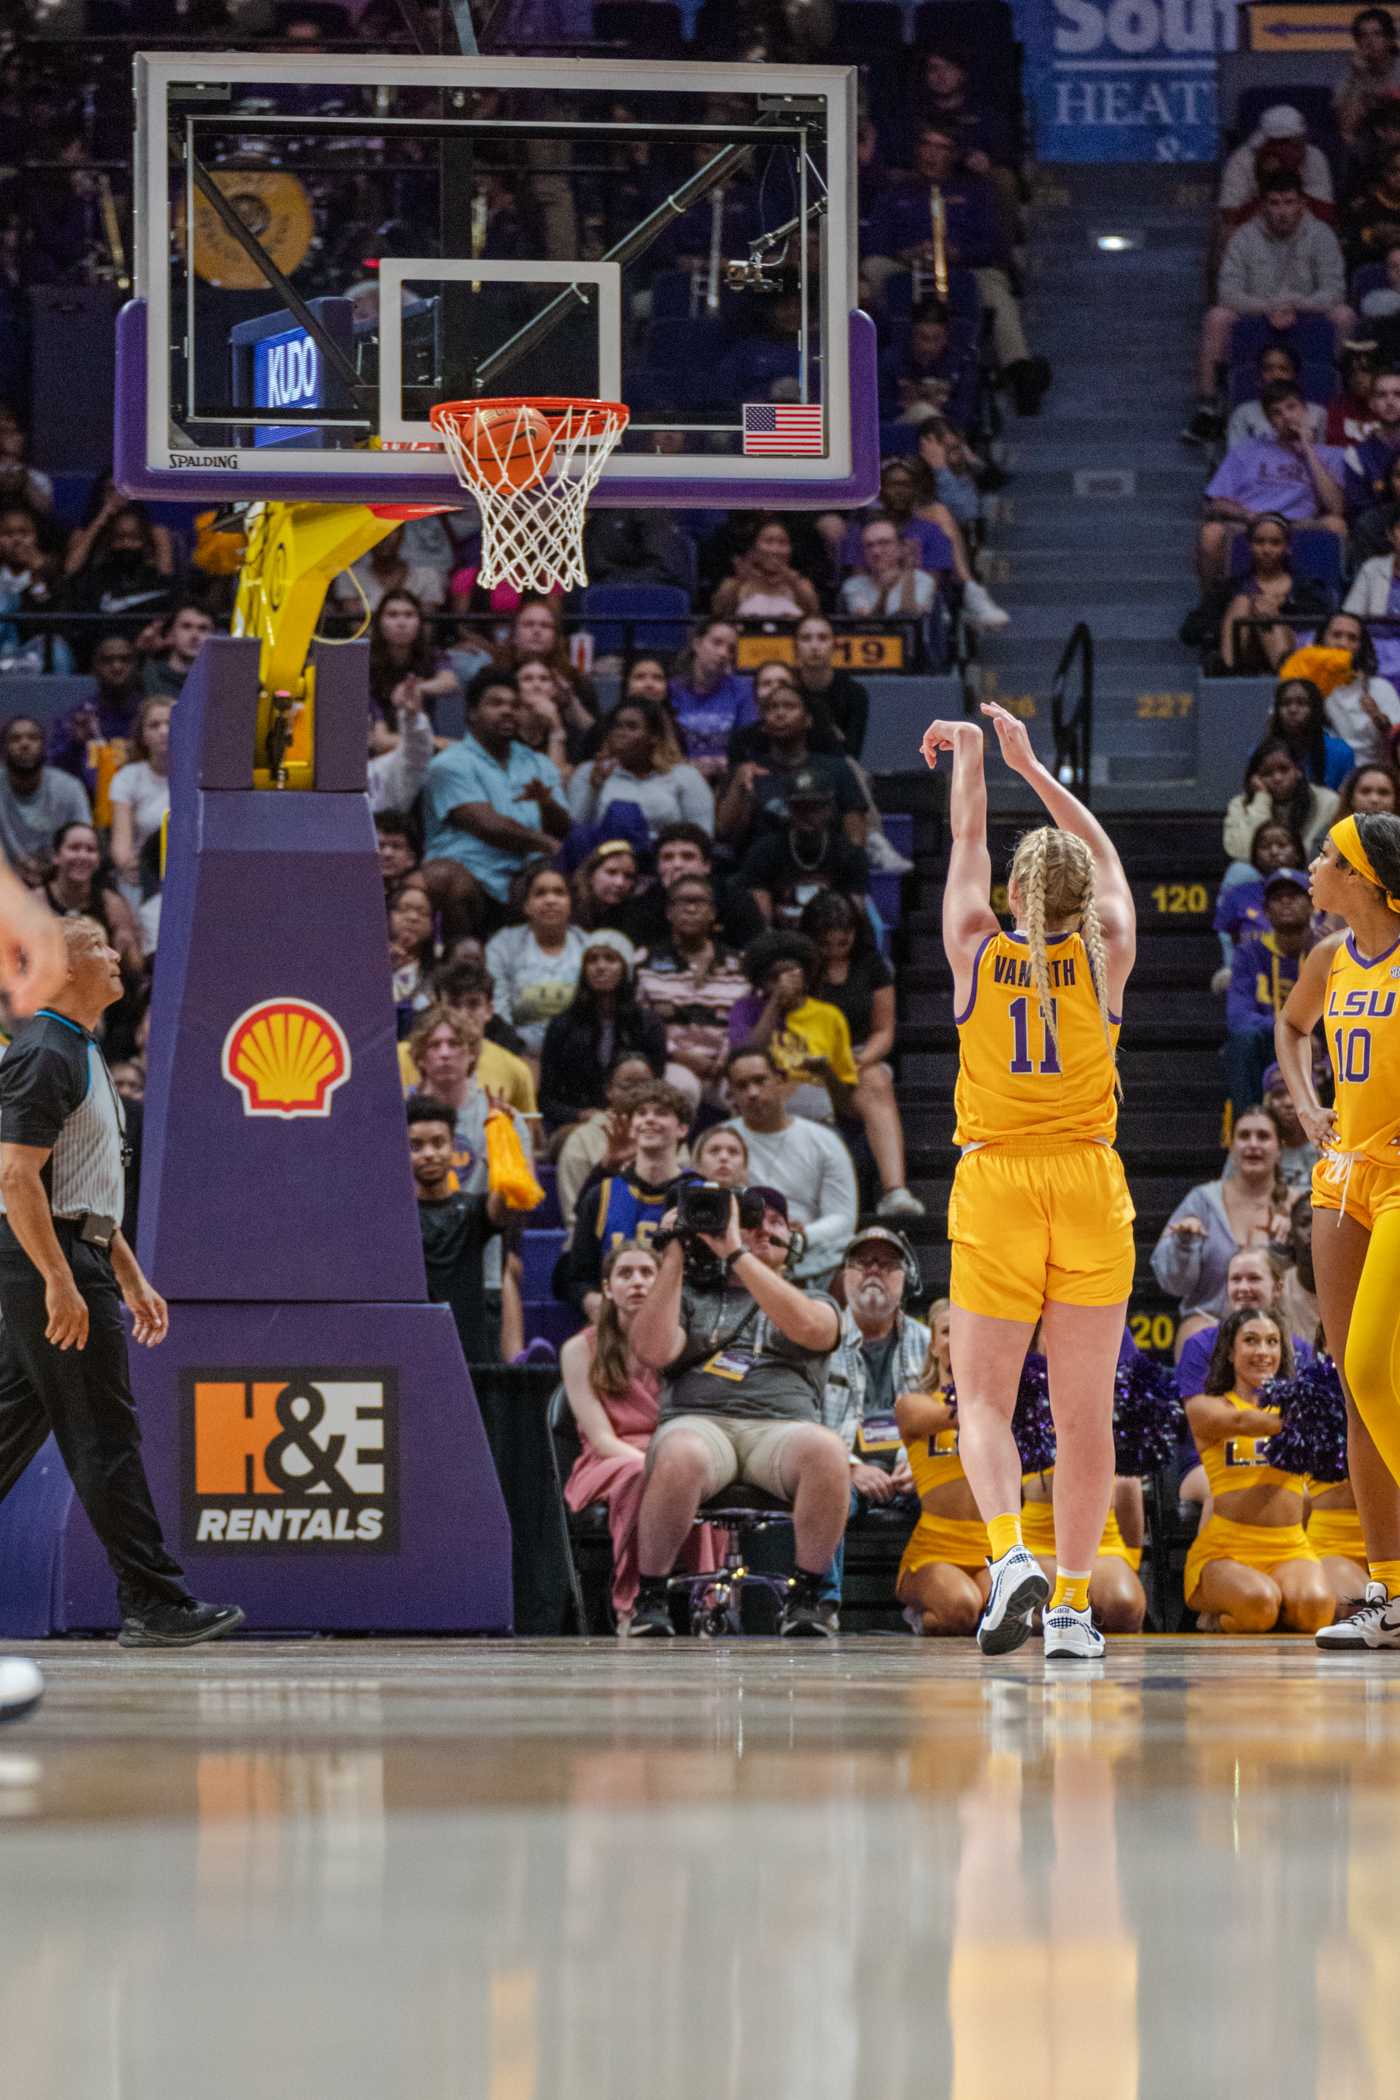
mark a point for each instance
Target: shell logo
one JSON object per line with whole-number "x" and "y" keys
{"x": 286, "y": 1057}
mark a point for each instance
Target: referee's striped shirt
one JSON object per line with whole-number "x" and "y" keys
{"x": 56, "y": 1092}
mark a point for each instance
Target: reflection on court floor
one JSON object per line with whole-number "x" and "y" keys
{"x": 562, "y": 1872}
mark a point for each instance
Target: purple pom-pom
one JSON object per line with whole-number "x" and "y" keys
{"x": 1313, "y": 1438}
{"x": 1148, "y": 1420}
{"x": 1031, "y": 1423}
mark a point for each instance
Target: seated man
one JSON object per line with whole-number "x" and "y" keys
{"x": 1281, "y": 263}
{"x": 686, "y": 849}
{"x": 1286, "y": 473}
{"x": 743, "y": 1354}
{"x": 628, "y": 1204}
{"x": 933, "y": 374}
{"x": 889, "y": 584}
{"x": 1278, "y": 364}
{"x": 806, "y": 1159}
{"x": 170, "y": 649}
{"x": 810, "y": 852}
{"x": 491, "y": 804}
{"x": 768, "y": 756}
{"x": 1368, "y": 462}
{"x": 691, "y": 983}
{"x": 1279, "y": 142}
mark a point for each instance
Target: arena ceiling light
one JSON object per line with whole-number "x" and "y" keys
{"x": 1116, "y": 243}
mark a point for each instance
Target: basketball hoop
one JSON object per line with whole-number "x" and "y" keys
{"x": 531, "y": 464}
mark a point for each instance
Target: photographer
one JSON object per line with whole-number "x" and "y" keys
{"x": 744, "y": 1355}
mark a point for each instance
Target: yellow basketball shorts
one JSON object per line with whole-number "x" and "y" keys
{"x": 1034, "y": 1223}
{"x": 1265, "y": 1546}
{"x": 1336, "y": 1534}
{"x": 958, "y": 1542}
{"x": 1038, "y": 1536}
{"x": 1363, "y": 1188}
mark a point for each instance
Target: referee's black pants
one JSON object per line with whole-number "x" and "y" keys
{"x": 84, "y": 1397}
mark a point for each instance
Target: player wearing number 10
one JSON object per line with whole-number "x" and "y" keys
{"x": 1351, "y": 984}
{"x": 1040, "y": 1217}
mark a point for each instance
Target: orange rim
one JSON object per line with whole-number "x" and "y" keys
{"x": 597, "y": 416}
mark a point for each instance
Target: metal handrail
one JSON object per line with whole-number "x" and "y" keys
{"x": 1073, "y": 726}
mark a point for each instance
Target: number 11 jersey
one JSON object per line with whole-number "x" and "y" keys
{"x": 1014, "y": 1085}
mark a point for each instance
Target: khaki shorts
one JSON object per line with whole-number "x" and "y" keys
{"x": 737, "y": 1449}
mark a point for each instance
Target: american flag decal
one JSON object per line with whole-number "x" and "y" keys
{"x": 785, "y": 427}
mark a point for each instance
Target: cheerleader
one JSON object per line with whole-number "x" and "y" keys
{"x": 943, "y": 1579}
{"x": 1040, "y": 1218}
{"x": 1351, "y": 984}
{"x": 1250, "y": 1567}
{"x": 1116, "y": 1595}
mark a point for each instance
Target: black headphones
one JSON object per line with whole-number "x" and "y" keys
{"x": 914, "y": 1287}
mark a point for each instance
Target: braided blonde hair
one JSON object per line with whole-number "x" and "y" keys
{"x": 1054, "y": 874}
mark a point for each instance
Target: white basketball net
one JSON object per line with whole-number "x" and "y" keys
{"x": 531, "y": 537}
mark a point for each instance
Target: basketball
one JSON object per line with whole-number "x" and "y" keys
{"x": 514, "y": 447}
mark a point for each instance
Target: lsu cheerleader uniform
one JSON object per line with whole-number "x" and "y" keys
{"x": 1231, "y": 1466}
{"x": 958, "y": 1542}
{"x": 1335, "y": 1534}
{"x": 1038, "y": 1531}
{"x": 1040, "y": 1207}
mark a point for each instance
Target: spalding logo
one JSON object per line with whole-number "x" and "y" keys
{"x": 286, "y": 1057}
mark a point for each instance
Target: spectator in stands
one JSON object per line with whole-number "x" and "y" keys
{"x": 600, "y": 1023}
{"x": 614, "y": 1399}
{"x": 394, "y": 844}
{"x": 889, "y": 583}
{"x": 1299, "y": 719}
{"x": 839, "y": 705}
{"x": 26, "y": 586}
{"x": 478, "y": 794}
{"x": 933, "y": 531}
{"x": 1299, "y": 1155}
{"x": 120, "y": 573}
{"x": 852, "y": 976}
{"x": 1369, "y": 532}
{"x": 975, "y": 240}
{"x": 399, "y": 761}
{"x": 35, "y": 799}
{"x": 721, "y": 1155}
{"x": 933, "y": 374}
{"x": 1270, "y": 590}
{"x": 1283, "y": 476}
{"x": 1264, "y": 971}
{"x": 1375, "y": 595}
{"x": 768, "y": 756}
{"x": 1239, "y": 907}
{"x": 404, "y": 660}
{"x": 19, "y": 482}
{"x": 1380, "y": 307}
{"x": 1366, "y": 708}
{"x": 708, "y": 697}
{"x": 986, "y": 138}
{"x": 456, "y": 1227}
{"x": 1373, "y": 216}
{"x": 808, "y": 1040}
{"x": 1370, "y": 459}
{"x": 535, "y": 966}
{"x": 96, "y": 733}
{"x": 1246, "y": 1208}
{"x": 170, "y": 648}
{"x": 758, "y": 1423}
{"x": 543, "y": 707}
{"x": 1253, "y": 1278}
{"x": 784, "y": 868}
{"x": 641, "y": 763}
{"x": 603, "y": 1140}
{"x": 140, "y": 790}
{"x": 1372, "y": 73}
{"x": 1370, "y": 787}
{"x": 1278, "y": 143}
{"x": 946, "y": 478}
{"x": 391, "y": 566}
{"x": 604, "y": 884}
{"x": 464, "y": 989}
{"x": 1349, "y": 411}
{"x": 1282, "y": 263}
{"x": 627, "y": 1205}
{"x": 686, "y": 849}
{"x": 81, "y": 879}
{"x": 764, "y": 585}
{"x": 412, "y": 951}
{"x": 537, "y": 636}
{"x": 1274, "y": 787}
{"x": 1279, "y": 365}
{"x": 116, "y": 527}
{"x": 806, "y": 1160}
{"x": 691, "y": 984}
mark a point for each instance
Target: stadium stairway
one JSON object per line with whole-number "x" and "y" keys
{"x": 1096, "y": 524}
{"x": 1171, "y": 1119}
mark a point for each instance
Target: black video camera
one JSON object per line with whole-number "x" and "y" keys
{"x": 702, "y": 1208}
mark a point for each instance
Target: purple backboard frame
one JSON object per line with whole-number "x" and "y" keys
{"x": 213, "y": 484}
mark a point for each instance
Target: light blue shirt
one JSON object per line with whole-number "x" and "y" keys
{"x": 466, "y": 772}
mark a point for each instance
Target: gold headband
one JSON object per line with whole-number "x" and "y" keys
{"x": 1346, "y": 837}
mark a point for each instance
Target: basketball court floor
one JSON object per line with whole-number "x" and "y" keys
{"x": 563, "y": 1871}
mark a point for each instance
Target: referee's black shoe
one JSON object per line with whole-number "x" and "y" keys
{"x": 183, "y": 1625}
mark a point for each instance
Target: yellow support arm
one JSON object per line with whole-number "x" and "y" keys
{"x": 294, "y": 550}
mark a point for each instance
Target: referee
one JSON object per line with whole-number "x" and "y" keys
{"x": 65, "y": 1271}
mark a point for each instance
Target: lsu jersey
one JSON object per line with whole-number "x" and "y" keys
{"x": 1014, "y": 1081}
{"x": 1361, "y": 1014}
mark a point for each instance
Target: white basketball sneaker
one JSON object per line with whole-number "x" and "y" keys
{"x": 1018, "y": 1587}
{"x": 1375, "y": 1625}
{"x": 1072, "y": 1636}
{"x": 21, "y": 1687}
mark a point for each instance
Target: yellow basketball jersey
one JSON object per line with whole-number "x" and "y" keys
{"x": 934, "y": 1460}
{"x": 1361, "y": 1014}
{"x": 1012, "y": 1082}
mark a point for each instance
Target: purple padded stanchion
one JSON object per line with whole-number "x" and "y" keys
{"x": 312, "y": 1437}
